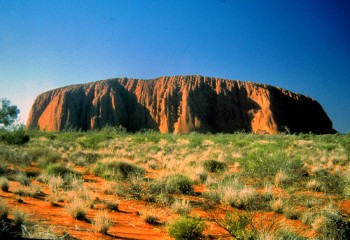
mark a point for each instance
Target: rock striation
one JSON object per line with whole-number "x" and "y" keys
{"x": 178, "y": 104}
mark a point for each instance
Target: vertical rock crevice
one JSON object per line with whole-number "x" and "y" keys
{"x": 178, "y": 104}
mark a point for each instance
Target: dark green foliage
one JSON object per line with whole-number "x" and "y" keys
{"x": 133, "y": 189}
{"x": 8, "y": 112}
{"x": 331, "y": 182}
{"x": 236, "y": 224}
{"x": 4, "y": 209}
{"x": 46, "y": 158}
{"x": 187, "y": 228}
{"x": 214, "y": 166}
{"x": 3, "y": 167}
{"x": 22, "y": 178}
{"x": 57, "y": 169}
{"x": 114, "y": 206}
{"x": 153, "y": 220}
{"x": 336, "y": 226}
{"x": 179, "y": 184}
{"x": 117, "y": 170}
{"x": 261, "y": 163}
{"x": 173, "y": 184}
{"x": 13, "y": 155}
{"x": 4, "y": 184}
{"x": 15, "y": 137}
{"x": 84, "y": 159}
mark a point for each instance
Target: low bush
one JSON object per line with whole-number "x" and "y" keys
{"x": 102, "y": 222}
{"x": 4, "y": 209}
{"x": 22, "y": 178}
{"x": 84, "y": 159}
{"x": 179, "y": 184}
{"x": 19, "y": 218}
{"x": 237, "y": 224}
{"x": 181, "y": 206}
{"x": 57, "y": 169}
{"x": 45, "y": 158}
{"x": 114, "y": 206}
{"x": 186, "y": 228}
{"x": 117, "y": 170}
{"x": 3, "y": 167}
{"x": 78, "y": 209}
{"x": 292, "y": 213}
{"x": 152, "y": 220}
{"x": 151, "y": 217}
{"x": 16, "y": 137}
{"x": 214, "y": 166}
{"x": 277, "y": 205}
{"x": 4, "y": 184}
{"x": 331, "y": 224}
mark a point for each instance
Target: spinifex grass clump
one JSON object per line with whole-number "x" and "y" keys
{"x": 117, "y": 170}
{"x": 214, "y": 166}
{"x": 22, "y": 178}
{"x": 179, "y": 184}
{"x": 181, "y": 206}
{"x": 236, "y": 223}
{"x": 19, "y": 218}
{"x": 102, "y": 222}
{"x": 58, "y": 169}
{"x": 78, "y": 209}
{"x": 4, "y": 184}
{"x": 187, "y": 228}
{"x": 16, "y": 137}
{"x": 4, "y": 209}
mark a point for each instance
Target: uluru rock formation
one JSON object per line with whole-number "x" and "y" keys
{"x": 178, "y": 104}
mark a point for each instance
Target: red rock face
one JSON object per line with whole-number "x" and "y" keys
{"x": 179, "y": 104}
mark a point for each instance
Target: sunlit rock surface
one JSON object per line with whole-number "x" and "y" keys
{"x": 178, "y": 104}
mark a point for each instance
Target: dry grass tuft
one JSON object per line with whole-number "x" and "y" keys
{"x": 102, "y": 222}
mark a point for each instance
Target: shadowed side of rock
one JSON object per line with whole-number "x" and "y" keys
{"x": 179, "y": 104}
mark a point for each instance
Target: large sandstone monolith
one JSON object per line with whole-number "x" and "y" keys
{"x": 178, "y": 104}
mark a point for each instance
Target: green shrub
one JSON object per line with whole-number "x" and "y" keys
{"x": 4, "y": 184}
{"x": 114, "y": 206}
{"x": 261, "y": 163}
{"x": 214, "y": 166}
{"x": 58, "y": 169}
{"x": 133, "y": 189}
{"x": 46, "y": 158}
{"x": 291, "y": 212}
{"x": 117, "y": 170}
{"x": 187, "y": 228}
{"x": 22, "y": 179}
{"x": 4, "y": 209}
{"x": 16, "y": 137}
{"x": 84, "y": 159}
{"x": 236, "y": 224}
{"x": 288, "y": 235}
{"x": 19, "y": 218}
{"x": 3, "y": 167}
{"x": 181, "y": 206}
{"x": 331, "y": 224}
{"x": 346, "y": 182}
{"x": 179, "y": 184}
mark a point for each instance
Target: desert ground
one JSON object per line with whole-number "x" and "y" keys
{"x": 111, "y": 184}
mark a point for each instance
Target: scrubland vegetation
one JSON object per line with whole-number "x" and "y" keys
{"x": 194, "y": 186}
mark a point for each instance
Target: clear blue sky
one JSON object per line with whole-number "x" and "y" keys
{"x": 303, "y": 46}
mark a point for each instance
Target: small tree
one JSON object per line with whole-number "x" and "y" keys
{"x": 8, "y": 112}
{"x": 11, "y": 133}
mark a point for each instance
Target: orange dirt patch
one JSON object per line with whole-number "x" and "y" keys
{"x": 345, "y": 207}
{"x": 127, "y": 222}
